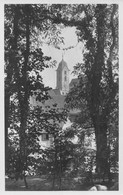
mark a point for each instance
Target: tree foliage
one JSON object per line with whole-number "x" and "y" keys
{"x": 24, "y": 61}
{"x": 98, "y": 75}
{"x": 27, "y": 27}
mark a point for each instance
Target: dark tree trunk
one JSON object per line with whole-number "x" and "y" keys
{"x": 53, "y": 184}
{"x": 102, "y": 155}
{"x": 7, "y": 100}
{"x": 60, "y": 168}
{"x": 23, "y": 99}
{"x": 12, "y": 65}
{"x": 99, "y": 118}
{"x": 25, "y": 181}
{"x": 55, "y": 166}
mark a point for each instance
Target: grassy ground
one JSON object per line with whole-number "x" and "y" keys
{"x": 40, "y": 184}
{"x": 43, "y": 184}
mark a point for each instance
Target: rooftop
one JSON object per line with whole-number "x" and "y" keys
{"x": 61, "y": 65}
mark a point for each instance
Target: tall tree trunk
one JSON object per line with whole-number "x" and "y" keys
{"x": 102, "y": 156}
{"x": 12, "y": 64}
{"x": 25, "y": 181}
{"x": 53, "y": 184}
{"x": 60, "y": 167}
{"x": 95, "y": 104}
{"x": 23, "y": 100}
{"x": 7, "y": 100}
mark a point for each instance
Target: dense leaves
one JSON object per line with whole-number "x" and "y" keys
{"x": 27, "y": 27}
{"x": 98, "y": 85}
{"x": 24, "y": 60}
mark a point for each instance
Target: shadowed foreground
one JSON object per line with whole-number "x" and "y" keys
{"x": 44, "y": 184}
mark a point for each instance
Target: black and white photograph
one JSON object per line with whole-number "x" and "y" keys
{"x": 61, "y": 96}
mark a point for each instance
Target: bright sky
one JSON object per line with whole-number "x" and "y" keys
{"x": 71, "y": 56}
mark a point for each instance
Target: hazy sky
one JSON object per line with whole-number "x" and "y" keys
{"x": 71, "y": 56}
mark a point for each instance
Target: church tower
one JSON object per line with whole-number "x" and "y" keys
{"x": 62, "y": 77}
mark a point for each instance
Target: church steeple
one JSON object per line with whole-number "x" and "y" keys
{"x": 62, "y": 77}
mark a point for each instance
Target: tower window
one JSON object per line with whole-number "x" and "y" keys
{"x": 65, "y": 72}
{"x": 45, "y": 137}
{"x": 65, "y": 78}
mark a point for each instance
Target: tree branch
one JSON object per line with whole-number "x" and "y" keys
{"x": 113, "y": 32}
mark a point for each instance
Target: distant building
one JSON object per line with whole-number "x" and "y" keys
{"x": 62, "y": 87}
{"x": 62, "y": 78}
{"x": 58, "y": 97}
{"x": 73, "y": 83}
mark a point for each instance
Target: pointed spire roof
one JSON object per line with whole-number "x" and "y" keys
{"x": 62, "y": 64}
